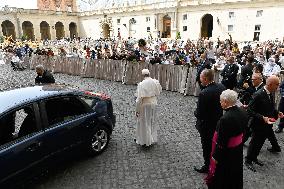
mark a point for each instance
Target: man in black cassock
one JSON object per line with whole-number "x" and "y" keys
{"x": 226, "y": 164}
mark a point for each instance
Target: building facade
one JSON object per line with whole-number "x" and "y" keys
{"x": 57, "y": 5}
{"x": 244, "y": 20}
{"x": 36, "y": 24}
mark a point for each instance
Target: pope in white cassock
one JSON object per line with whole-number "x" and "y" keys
{"x": 146, "y": 102}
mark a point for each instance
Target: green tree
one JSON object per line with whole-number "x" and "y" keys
{"x": 1, "y": 39}
{"x": 178, "y": 35}
{"x": 24, "y": 37}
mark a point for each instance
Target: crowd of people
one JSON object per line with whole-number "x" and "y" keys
{"x": 155, "y": 51}
{"x": 228, "y": 113}
{"x": 250, "y": 77}
{"x": 223, "y": 122}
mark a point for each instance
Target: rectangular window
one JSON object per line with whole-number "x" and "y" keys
{"x": 118, "y": 21}
{"x": 257, "y": 27}
{"x": 231, "y": 14}
{"x": 184, "y": 28}
{"x": 18, "y": 123}
{"x": 63, "y": 109}
{"x": 230, "y": 28}
{"x": 184, "y": 17}
{"x": 148, "y": 29}
{"x": 256, "y": 36}
{"x": 148, "y": 19}
{"x": 259, "y": 13}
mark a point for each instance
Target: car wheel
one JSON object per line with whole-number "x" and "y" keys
{"x": 99, "y": 140}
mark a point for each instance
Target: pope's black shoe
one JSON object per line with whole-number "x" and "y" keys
{"x": 203, "y": 169}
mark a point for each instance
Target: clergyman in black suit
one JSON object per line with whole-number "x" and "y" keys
{"x": 208, "y": 112}
{"x": 226, "y": 166}
{"x": 261, "y": 108}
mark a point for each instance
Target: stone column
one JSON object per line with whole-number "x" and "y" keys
{"x": 160, "y": 23}
{"x": 52, "y": 30}
{"x": 1, "y": 32}
{"x": 78, "y": 31}
{"x": 111, "y": 33}
{"x": 37, "y": 33}
{"x": 155, "y": 30}
{"x": 174, "y": 20}
{"x": 173, "y": 25}
{"x": 18, "y": 28}
{"x": 66, "y": 30}
{"x": 216, "y": 25}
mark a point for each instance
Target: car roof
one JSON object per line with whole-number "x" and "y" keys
{"x": 15, "y": 97}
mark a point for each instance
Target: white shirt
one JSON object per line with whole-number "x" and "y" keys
{"x": 282, "y": 61}
{"x": 15, "y": 59}
{"x": 256, "y": 88}
{"x": 211, "y": 53}
{"x": 271, "y": 69}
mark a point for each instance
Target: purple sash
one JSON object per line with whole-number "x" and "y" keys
{"x": 233, "y": 142}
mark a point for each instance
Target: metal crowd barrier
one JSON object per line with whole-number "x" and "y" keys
{"x": 176, "y": 78}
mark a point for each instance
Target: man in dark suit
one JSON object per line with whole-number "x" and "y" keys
{"x": 208, "y": 112}
{"x": 230, "y": 73}
{"x": 281, "y": 109}
{"x": 248, "y": 90}
{"x": 203, "y": 64}
{"x": 261, "y": 109}
{"x": 43, "y": 76}
{"x": 246, "y": 72}
{"x": 257, "y": 84}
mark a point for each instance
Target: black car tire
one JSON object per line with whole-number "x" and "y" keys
{"x": 99, "y": 140}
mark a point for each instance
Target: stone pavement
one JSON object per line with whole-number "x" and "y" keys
{"x": 168, "y": 164}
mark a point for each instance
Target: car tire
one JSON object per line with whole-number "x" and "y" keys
{"x": 99, "y": 140}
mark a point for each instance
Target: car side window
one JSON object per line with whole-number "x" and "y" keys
{"x": 96, "y": 104}
{"x": 63, "y": 109}
{"x": 18, "y": 123}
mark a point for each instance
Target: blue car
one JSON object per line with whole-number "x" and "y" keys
{"x": 39, "y": 124}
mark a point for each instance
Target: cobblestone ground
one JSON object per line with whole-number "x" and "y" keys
{"x": 168, "y": 164}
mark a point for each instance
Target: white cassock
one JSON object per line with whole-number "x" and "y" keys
{"x": 146, "y": 102}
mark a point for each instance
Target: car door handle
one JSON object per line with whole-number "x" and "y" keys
{"x": 33, "y": 147}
